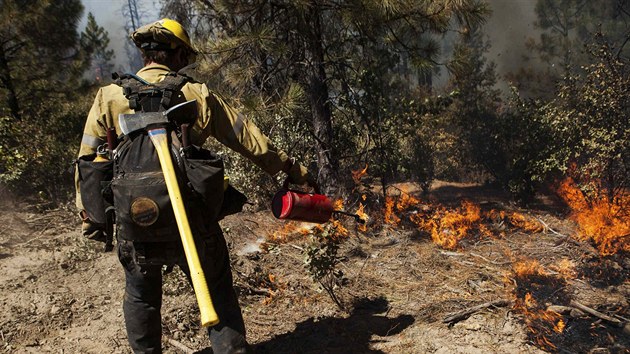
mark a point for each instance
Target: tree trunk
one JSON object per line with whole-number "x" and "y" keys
{"x": 318, "y": 97}
{"x": 7, "y": 83}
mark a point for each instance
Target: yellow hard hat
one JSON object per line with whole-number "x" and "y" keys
{"x": 161, "y": 35}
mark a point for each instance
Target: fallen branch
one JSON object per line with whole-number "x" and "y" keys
{"x": 297, "y": 247}
{"x": 451, "y": 254}
{"x": 455, "y": 317}
{"x": 180, "y": 346}
{"x": 256, "y": 291}
{"x": 615, "y": 322}
{"x": 490, "y": 261}
{"x": 546, "y": 227}
{"x": 566, "y": 238}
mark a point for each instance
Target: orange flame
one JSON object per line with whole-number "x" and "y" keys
{"x": 450, "y": 226}
{"x": 272, "y": 286}
{"x": 289, "y": 232}
{"x": 338, "y": 204}
{"x": 406, "y": 201}
{"x": 454, "y": 225}
{"x": 356, "y": 175}
{"x": 524, "y": 223}
{"x": 341, "y": 231}
{"x": 529, "y": 267}
{"x": 390, "y": 216}
{"x": 541, "y": 323}
{"x": 599, "y": 219}
{"x": 403, "y": 203}
{"x": 421, "y": 222}
{"x": 363, "y": 216}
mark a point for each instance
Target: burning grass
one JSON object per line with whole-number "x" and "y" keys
{"x": 364, "y": 216}
{"x": 295, "y": 231}
{"x": 448, "y": 227}
{"x": 535, "y": 290}
{"x": 539, "y": 293}
{"x": 533, "y": 287}
{"x": 390, "y": 214}
{"x": 602, "y": 219}
{"x": 291, "y": 231}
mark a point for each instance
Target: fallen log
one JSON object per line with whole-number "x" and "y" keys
{"x": 615, "y": 322}
{"x": 455, "y": 317}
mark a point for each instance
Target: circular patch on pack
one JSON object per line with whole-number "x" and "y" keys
{"x": 144, "y": 211}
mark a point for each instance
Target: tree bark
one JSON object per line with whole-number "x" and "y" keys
{"x": 318, "y": 97}
{"x": 7, "y": 83}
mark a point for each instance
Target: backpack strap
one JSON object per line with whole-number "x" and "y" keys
{"x": 144, "y": 96}
{"x": 171, "y": 85}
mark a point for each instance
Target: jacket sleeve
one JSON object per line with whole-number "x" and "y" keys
{"x": 94, "y": 134}
{"x": 233, "y": 130}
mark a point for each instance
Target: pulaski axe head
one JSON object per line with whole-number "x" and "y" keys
{"x": 185, "y": 112}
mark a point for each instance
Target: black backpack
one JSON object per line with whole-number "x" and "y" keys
{"x": 143, "y": 207}
{"x": 135, "y": 184}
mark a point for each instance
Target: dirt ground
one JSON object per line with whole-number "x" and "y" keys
{"x": 62, "y": 294}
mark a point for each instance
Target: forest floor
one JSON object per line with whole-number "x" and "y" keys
{"x": 62, "y": 294}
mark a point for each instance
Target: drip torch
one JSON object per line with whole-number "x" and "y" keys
{"x": 302, "y": 206}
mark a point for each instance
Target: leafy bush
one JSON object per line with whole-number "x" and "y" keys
{"x": 321, "y": 259}
{"x": 45, "y": 166}
{"x": 584, "y": 130}
{"x": 590, "y": 121}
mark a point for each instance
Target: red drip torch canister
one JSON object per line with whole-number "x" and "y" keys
{"x": 296, "y": 205}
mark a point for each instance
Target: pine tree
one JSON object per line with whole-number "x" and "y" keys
{"x": 37, "y": 51}
{"x": 95, "y": 41}
{"x": 313, "y": 56}
{"x": 41, "y": 71}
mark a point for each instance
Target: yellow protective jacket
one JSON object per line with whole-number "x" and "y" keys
{"x": 216, "y": 118}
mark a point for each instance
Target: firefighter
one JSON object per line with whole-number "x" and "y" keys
{"x": 166, "y": 47}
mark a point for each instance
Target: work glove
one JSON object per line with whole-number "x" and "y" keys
{"x": 91, "y": 230}
{"x": 310, "y": 180}
{"x": 298, "y": 174}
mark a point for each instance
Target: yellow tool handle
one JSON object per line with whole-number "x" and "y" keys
{"x": 208, "y": 314}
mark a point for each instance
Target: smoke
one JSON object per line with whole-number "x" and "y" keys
{"x": 110, "y": 16}
{"x": 508, "y": 29}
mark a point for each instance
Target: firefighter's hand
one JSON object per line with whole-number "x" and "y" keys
{"x": 310, "y": 180}
{"x": 299, "y": 175}
{"x": 92, "y": 231}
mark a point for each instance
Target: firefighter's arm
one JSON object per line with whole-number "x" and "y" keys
{"x": 94, "y": 134}
{"x": 232, "y": 129}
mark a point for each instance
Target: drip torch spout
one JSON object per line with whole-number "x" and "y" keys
{"x": 356, "y": 217}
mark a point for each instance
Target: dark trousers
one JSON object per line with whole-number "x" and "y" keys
{"x": 143, "y": 292}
